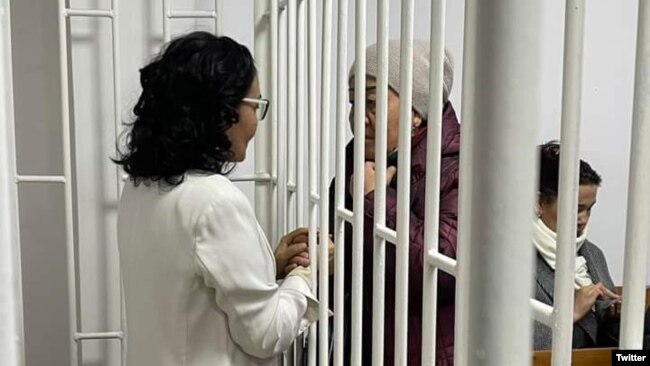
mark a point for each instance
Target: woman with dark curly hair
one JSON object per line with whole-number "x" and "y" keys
{"x": 198, "y": 273}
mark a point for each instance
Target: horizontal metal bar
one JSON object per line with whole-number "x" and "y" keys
{"x": 345, "y": 214}
{"x": 39, "y": 179}
{"x": 99, "y": 335}
{"x": 251, "y": 178}
{"x": 441, "y": 261}
{"x": 191, "y": 14}
{"x": 543, "y": 313}
{"x": 386, "y": 233}
{"x": 91, "y": 13}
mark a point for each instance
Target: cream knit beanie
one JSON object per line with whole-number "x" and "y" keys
{"x": 420, "y": 72}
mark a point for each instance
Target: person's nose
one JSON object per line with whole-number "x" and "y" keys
{"x": 582, "y": 218}
{"x": 368, "y": 118}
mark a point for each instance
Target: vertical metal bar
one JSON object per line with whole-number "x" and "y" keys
{"x": 218, "y": 18}
{"x": 638, "y": 202}
{"x": 166, "y": 20}
{"x": 274, "y": 121}
{"x": 117, "y": 96}
{"x": 507, "y": 45}
{"x": 306, "y": 113}
{"x": 432, "y": 195}
{"x": 282, "y": 131}
{"x": 466, "y": 167}
{"x": 117, "y": 102}
{"x": 292, "y": 7}
{"x": 339, "y": 194}
{"x": 379, "y": 259}
{"x": 358, "y": 193}
{"x": 283, "y": 192}
{"x": 324, "y": 174}
{"x": 404, "y": 183}
{"x": 568, "y": 185}
{"x": 301, "y": 131}
{"x": 12, "y": 337}
{"x": 75, "y": 358}
{"x": 263, "y": 152}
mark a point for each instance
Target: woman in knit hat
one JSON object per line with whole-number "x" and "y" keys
{"x": 450, "y": 145}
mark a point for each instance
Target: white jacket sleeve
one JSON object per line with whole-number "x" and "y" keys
{"x": 234, "y": 258}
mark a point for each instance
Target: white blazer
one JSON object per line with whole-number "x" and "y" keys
{"x": 199, "y": 279}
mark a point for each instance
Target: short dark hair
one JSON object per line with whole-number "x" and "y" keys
{"x": 549, "y": 171}
{"x": 190, "y": 95}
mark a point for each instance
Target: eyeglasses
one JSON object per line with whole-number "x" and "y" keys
{"x": 261, "y": 106}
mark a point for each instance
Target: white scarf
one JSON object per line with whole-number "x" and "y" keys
{"x": 545, "y": 240}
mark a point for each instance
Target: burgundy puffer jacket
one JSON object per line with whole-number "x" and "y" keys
{"x": 447, "y": 246}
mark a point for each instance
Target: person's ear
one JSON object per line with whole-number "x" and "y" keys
{"x": 539, "y": 206}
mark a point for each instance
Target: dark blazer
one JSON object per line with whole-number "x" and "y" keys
{"x": 594, "y": 329}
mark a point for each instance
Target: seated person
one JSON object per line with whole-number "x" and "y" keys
{"x": 596, "y": 308}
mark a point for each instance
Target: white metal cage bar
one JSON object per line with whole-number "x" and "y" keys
{"x": 466, "y": 167}
{"x": 292, "y": 83}
{"x": 326, "y": 71}
{"x": 274, "y": 20}
{"x": 40, "y": 179}
{"x": 339, "y": 189}
{"x": 302, "y": 190}
{"x": 568, "y": 183}
{"x": 12, "y": 336}
{"x": 505, "y": 46}
{"x": 263, "y": 175}
{"x": 345, "y": 214}
{"x": 75, "y": 351}
{"x": 90, "y": 13}
{"x": 117, "y": 92}
{"x": 381, "y": 234}
{"x": 66, "y": 100}
{"x": 435, "y": 259}
{"x": 192, "y": 14}
{"x": 403, "y": 181}
{"x": 99, "y": 335}
{"x": 358, "y": 170}
{"x": 387, "y": 234}
{"x": 638, "y": 203}
{"x": 306, "y": 105}
{"x": 283, "y": 190}
{"x": 432, "y": 197}
{"x": 542, "y": 312}
{"x": 169, "y": 14}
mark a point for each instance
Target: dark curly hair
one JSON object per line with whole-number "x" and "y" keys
{"x": 190, "y": 95}
{"x": 549, "y": 171}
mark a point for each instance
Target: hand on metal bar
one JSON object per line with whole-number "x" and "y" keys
{"x": 302, "y": 258}
{"x": 369, "y": 178}
{"x": 290, "y": 247}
